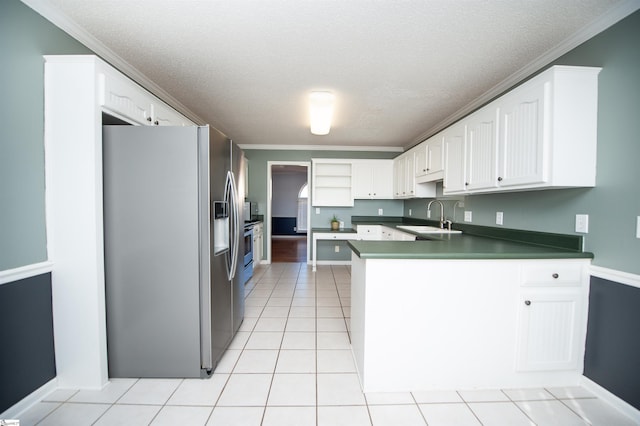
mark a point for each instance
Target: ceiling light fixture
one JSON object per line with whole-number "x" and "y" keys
{"x": 320, "y": 112}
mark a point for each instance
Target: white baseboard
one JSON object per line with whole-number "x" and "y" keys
{"x": 331, "y": 262}
{"x": 30, "y": 400}
{"x": 611, "y": 399}
{"x": 28, "y": 271}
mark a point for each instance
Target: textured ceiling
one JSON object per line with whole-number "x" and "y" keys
{"x": 397, "y": 68}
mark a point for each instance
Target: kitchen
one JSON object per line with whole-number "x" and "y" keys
{"x": 611, "y": 205}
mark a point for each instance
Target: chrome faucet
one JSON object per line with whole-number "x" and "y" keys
{"x": 442, "y": 221}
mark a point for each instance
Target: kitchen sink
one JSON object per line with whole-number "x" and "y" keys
{"x": 427, "y": 229}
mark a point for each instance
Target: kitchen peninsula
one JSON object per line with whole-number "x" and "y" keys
{"x": 472, "y": 310}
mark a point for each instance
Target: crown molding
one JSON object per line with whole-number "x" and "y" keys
{"x": 321, "y": 148}
{"x": 60, "y": 20}
{"x": 614, "y": 15}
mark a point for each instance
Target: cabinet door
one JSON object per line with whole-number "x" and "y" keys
{"x": 399, "y": 180}
{"x": 125, "y": 99}
{"x": 409, "y": 177}
{"x": 382, "y": 179}
{"x": 361, "y": 180}
{"x": 522, "y": 136}
{"x": 454, "y": 159}
{"x": 435, "y": 155}
{"x": 549, "y": 328}
{"x": 482, "y": 146}
{"x": 163, "y": 115}
{"x": 421, "y": 162}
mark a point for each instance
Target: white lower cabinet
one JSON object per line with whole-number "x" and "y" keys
{"x": 382, "y": 233}
{"x": 257, "y": 243}
{"x": 551, "y": 324}
{"x": 473, "y": 327}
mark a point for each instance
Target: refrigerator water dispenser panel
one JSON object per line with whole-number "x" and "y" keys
{"x": 220, "y": 227}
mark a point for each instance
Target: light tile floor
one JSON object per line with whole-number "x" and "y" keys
{"x": 290, "y": 364}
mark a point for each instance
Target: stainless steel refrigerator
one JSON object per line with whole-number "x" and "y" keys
{"x": 173, "y": 200}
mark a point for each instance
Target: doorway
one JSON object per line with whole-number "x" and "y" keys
{"x": 288, "y": 211}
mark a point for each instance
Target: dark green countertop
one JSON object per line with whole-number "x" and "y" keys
{"x": 476, "y": 242}
{"x": 338, "y": 231}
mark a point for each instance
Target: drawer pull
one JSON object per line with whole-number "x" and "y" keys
{"x": 555, "y": 275}
{"x": 527, "y": 302}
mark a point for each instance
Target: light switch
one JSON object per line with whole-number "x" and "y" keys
{"x": 337, "y": 249}
{"x": 499, "y": 218}
{"x": 582, "y": 223}
{"x": 638, "y": 227}
{"x": 317, "y": 210}
{"x": 380, "y": 212}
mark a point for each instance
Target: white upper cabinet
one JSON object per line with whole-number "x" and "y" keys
{"x": 542, "y": 134}
{"x": 429, "y": 160}
{"x": 482, "y": 149}
{"x": 454, "y": 157}
{"x": 126, "y": 100}
{"x": 331, "y": 182}
{"x": 404, "y": 177}
{"x": 372, "y": 179}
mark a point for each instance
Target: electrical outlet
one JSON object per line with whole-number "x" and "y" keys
{"x": 337, "y": 249}
{"x": 468, "y": 217}
{"x": 638, "y": 227}
{"x": 499, "y": 218}
{"x": 317, "y": 210}
{"x": 380, "y": 212}
{"x": 582, "y": 223}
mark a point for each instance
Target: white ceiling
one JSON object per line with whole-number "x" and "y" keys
{"x": 399, "y": 69}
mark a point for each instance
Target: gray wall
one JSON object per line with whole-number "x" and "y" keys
{"x": 286, "y": 187}
{"x": 614, "y": 203}
{"x": 24, "y": 37}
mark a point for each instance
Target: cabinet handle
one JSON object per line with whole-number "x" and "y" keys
{"x": 149, "y": 119}
{"x": 499, "y": 179}
{"x": 527, "y": 302}
{"x": 156, "y": 122}
{"x": 555, "y": 275}
{"x": 466, "y": 184}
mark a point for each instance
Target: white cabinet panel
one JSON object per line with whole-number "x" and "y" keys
{"x": 482, "y": 149}
{"x": 454, "y": 157}
{"x": 372, "y": 179}
{"x": 124, "y": 99}
{"x": 404, "y": 179}
{"x": 549, "y": 330}
{"x": 522, "y": 149}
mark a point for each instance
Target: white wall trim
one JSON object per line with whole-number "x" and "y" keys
{"x": 627, "y": 278}
{"x": 15, "y": 411}
{"x": 60, "y": 20}
{"x": 28, "y": 271}
{"x": 321, "y": 148}
{"x": 613, "y": 16}
{"x": 617, "y": 403}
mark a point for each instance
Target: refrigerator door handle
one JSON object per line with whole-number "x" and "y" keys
{"x": 236, "y": 226}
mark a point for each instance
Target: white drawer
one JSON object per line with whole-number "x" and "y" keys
{"x": 552, "y": 274}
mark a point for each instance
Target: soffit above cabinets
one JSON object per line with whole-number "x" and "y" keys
{"x": 400, "y": 71}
